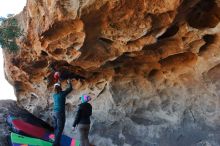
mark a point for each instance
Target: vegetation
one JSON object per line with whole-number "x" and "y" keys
{"x": 9, "y": 31}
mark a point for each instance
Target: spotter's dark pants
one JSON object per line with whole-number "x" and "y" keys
{"x": 84, "y": 133}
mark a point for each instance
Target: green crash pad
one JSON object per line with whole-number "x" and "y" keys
{"x": 20, "y": 139}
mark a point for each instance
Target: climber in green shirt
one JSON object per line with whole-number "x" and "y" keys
{"x": 59, "y": 98}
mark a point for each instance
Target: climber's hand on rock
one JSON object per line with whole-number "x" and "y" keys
{"x": 68, "y": 81}
{"x": 73, "y": 128}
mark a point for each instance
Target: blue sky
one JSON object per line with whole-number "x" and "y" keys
{"x": 8, "y": 7}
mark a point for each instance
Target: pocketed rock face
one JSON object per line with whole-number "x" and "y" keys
{"x": 152, "y": 67}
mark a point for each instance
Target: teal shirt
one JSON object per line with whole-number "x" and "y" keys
{"x": 60, "y": 99}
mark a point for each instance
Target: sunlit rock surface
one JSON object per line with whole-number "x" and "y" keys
{"x": 151, "y": 66}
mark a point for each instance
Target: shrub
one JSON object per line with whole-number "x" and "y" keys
{"x": 9, "y": 31}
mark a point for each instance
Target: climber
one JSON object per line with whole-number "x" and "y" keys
{"x": 59, "y": 98}
{"x": 82, "y": 119}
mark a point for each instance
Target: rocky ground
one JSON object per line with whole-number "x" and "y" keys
{"x": 5, "y": 106}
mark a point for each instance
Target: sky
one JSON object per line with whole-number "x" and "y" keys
{"x": 8, "y": 7}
